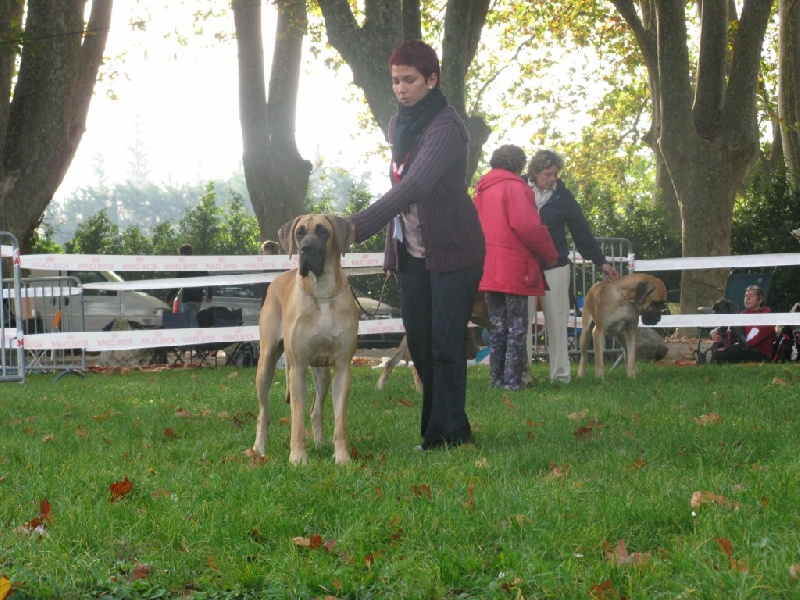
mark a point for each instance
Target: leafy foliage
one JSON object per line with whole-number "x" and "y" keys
{"x": 762, "y": 221}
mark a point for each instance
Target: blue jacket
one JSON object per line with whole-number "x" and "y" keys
{"x": 561, "y": 213}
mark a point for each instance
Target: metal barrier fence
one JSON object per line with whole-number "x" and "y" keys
{"x": 12, "y": 361}
{"x": 619, "y": 253}
{"x": 52, "y": 305}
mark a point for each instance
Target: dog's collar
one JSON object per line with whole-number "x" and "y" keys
{"x": 302, "y": 291}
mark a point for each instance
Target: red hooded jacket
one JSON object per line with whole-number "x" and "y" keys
{"x": 518, "y": 245}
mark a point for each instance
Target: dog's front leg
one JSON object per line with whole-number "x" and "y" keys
{"x": 631, "y": 339}
{"x": 299, "y": 389}
{"x": 264, "y": 377}
{"x": 598, "y": 338}
{"x": 321, "y": 378}
{"x": 341, "y": 396}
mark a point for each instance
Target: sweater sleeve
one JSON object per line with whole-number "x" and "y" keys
{"x": 581, "y": 232}
{"x": 432, "y": 158}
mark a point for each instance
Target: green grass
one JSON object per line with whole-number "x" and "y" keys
{"x": 500, "y": 521}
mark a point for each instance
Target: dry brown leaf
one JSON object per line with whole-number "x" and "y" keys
{"x": 794, "y": 571}
{"x": 709, "y": 419}
{"x": 470, "y": 502}
{"x": 639, "y": 463}
{"x": 482, "y": 462}
{"x": 578, "y": 416}
{"x": 779, "y": 381}
{"x": 120, "y": 489}
{"x": 233, "y": 375}
{"x": 700, "y": 498}
{"x": 212, "y": 563}
{"x": 558, "y": 472}
{"x": 508, "y": 403}
{"x": 603, "y": 590}
{"x": 422, "y": 490}
{"x": 140, "y": 571}
{"x": 183, "y": 413}
{"x": 726, "y": 546}
{"x": 582, "y": 432}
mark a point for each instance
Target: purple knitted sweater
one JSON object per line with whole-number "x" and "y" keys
{"x": 435, "y": 181}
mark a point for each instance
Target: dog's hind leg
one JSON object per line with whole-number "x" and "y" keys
{"x": 393, "y": 361}
{"x": 321, "y": 380}
{"x": 584, "y": 342}
{"x": 631, "y": 339}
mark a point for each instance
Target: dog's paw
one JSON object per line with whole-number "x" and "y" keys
{"x": 298, "y": 458}
{"x": 341, "y": 458}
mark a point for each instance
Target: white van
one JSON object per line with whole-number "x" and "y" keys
{"x": 99, "y": 307}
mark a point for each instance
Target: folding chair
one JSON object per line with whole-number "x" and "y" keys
{"x": 734, "y": 291}
{"x": 216, "y": 316}
{"x": 179, "y": 320}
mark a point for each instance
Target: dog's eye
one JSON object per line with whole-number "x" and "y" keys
{"x": 321, "y": 232}
{"x": 300, "y": 231}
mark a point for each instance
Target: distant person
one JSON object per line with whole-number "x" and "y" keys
{"x": 434, "y": 241}
{"x": 518, "y": 245}
{"x": 560, "y": 212}
{"x": 758, "y": 339}
{"x": 192, "y": 298}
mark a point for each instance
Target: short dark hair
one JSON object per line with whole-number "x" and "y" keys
{"x": 185, "y": 249}
{"x": 417, "y": 54}
{"x": 508, "y": 157}
{"x": 758, "y": 291}
{"x": 544, "y": 159}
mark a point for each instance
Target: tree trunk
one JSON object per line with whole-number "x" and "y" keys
{"x": 276, "y": 175}
{"x": 43, "y": 117}
{"x": 788, "y": 79}
{"x": 706, "y": 132}
{"x": 367, "y": 48}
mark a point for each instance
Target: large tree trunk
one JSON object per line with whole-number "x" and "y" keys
{"x": 43, "y": 116}
{"x": 788, "y": 82}
{"x": 276, "y": 175}
{"x": 387, "y": 23}
{"x": 707, "y": 134}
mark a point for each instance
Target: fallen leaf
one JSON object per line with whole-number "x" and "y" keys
{"x": 709, "y": 419}
{"x": 140, "y": 571}
{"x": 120, "y": 489}
{"x": 738, "y": 565}
{"x": 620, "y": 555}
{"x": 794, "y": 571}
{"x": 557, "y": 472}
{"x": 161, "y": 494}
{"x": 233, "y": 375}
{"x": 603, "y": 590}
{"x": 508, "y": 403}
{"x": 726, "y": 546}
{"x": 170, "y": 434}
{"x": 639, "y": 463}
{"x": 212, "y": 563}
{"x": 421, "y": 490}
{"x": 578, "y": 416}
{"x": 779, "y": 381}
{"x": 482, "y": 462}
{"x": 700, "y": 498}
{"x": 48, "y": 438}
{"x": 6, "y": 588}
{"x": 582, "y": 432}
{"x": 470, "y": 503}
{"x": 183, "y": 413}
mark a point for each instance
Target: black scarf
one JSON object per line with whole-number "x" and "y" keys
{"x": 412, "y": 120}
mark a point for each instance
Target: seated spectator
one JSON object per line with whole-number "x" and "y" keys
{"x": 756, "y": 345}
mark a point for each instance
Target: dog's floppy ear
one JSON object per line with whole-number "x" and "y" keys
{"x": 343, "y": 230}
{"x": 642, "y": 289}
{"x": 286, "y": 236}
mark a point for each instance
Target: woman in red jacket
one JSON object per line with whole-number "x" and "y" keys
{"x": 758, "y": 340}
{"x": 517, "y": 247}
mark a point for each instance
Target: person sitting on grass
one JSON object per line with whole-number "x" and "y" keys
{"x": 756, "y": 345}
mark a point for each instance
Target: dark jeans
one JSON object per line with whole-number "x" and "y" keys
{"x": 736, "y": 354}
{"x": 436, "y": 310}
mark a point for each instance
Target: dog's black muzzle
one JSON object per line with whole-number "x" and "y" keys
{"x": 312, "y": 256}
{"x": 651, "y": 315}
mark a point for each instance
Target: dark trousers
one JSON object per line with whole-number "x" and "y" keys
{"x": 736, "y": 354}
{"x": 436, "y": 309}
{"x": 508, "y": 315}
